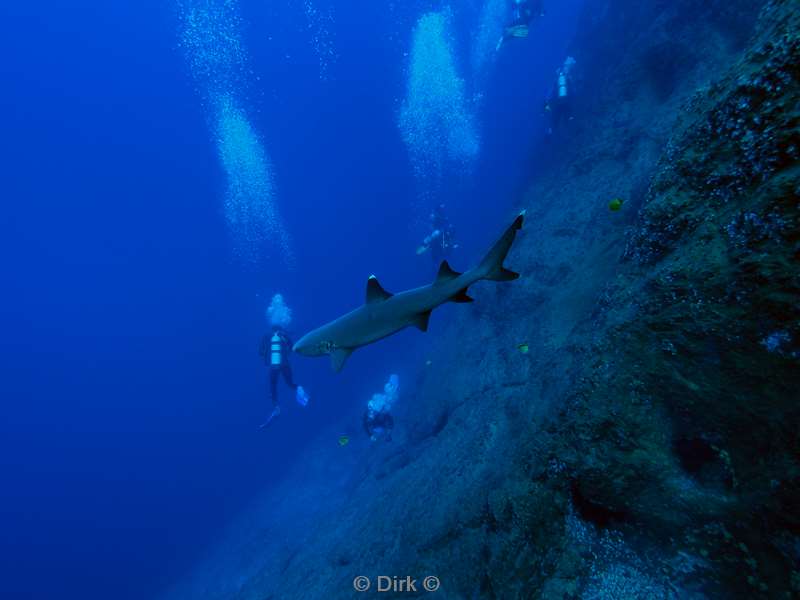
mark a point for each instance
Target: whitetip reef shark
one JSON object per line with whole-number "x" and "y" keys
{"x": 384, "y": 314}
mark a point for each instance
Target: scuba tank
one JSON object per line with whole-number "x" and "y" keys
{"x": 562, "y": 84}
{"x": 275, "y": 350}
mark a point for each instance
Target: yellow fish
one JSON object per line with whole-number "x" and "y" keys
{"x": 615, "y": 205}
{"x": 523, "y": 348}
{"x": 344, "y": 440}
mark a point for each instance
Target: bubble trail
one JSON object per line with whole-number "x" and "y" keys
{"x": 210, "y": 37}
{"x": 249, "y": 201}
{"x": 435, "y": 121}
{"x": 319, "y": 26}
{"x": 490, "y": 28}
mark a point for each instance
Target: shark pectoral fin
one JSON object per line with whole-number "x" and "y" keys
{"x": 462, "y": 297}
{"x": 376, "y": 293}
{"x": 506, "y": 275}
{"x": 446, "y": 273}
{"x": 422, "y": 321}
{"x": 338, "y": 358}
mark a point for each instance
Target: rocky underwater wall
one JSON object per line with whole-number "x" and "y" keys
{"x": 646, "y": 445}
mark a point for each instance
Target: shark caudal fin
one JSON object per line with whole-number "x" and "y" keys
{"x": 491, "y": 266}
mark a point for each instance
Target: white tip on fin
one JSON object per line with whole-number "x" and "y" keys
{"x": 375, "y": 292}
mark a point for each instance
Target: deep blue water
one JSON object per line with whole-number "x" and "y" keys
{"x": 131, "y": 386}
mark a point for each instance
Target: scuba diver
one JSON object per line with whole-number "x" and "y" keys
{"x": 275, "y": 349}
{"x": 440, "y": 241}
{"x": 378, "y": 421}
{"x": 559, "y": 104}
{"x": 522, "y": 13}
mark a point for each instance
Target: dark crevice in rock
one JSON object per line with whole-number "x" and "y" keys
{"x": 440, "y": 423}
{"x": 694, "y": 454}
{"x": 707, "y": 464}
{"x": 486, "y": 587}
{"x": 342, "y": 561}
{"x": 595, "y": 512}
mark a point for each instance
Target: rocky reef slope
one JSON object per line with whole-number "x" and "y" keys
{"x": 647, "y": 445}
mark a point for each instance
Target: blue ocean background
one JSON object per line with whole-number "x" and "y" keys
{"x": 131, "y": 386}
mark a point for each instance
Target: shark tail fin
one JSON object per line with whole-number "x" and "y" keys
{"x": 491, "y": 266}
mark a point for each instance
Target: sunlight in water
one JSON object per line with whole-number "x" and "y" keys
{"x": 211, "y": 39}
{"x": 436, "y": 123}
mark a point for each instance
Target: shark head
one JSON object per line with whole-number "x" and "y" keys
{"x": 313, "y": 344}
{"x": 318, "y": 343}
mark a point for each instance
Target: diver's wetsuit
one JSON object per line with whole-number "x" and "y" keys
{"x": 275, "y": 349}
{"x": 525, "y": 12}
{"x": 438, "y": 247}
{"x": 522, "y": 15}
{"x": 374, "y": 420}
{"x": 561, "y": 111}
{"x": 560, "y": 101}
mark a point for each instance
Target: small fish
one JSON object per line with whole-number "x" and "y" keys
{"x": 615, "y": 204}
{"x": 428, "y": 363}
{"x": 344, "y": 440}
{"x": 523, "y": 348}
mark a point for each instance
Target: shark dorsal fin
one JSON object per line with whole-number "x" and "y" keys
{"x": 375, "y": 293}
{"x": 446, "y": 273}
{"x": 338, "y": 358}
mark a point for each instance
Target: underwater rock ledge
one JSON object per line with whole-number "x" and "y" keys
{"x": 687, "y": 423}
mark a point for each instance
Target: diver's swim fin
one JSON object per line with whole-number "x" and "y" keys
{"x": 275, "y": 412}
{"x": 301, "y": 396}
